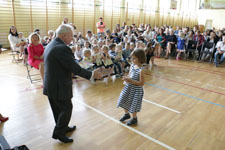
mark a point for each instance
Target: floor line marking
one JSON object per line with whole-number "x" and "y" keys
{"x": 198, "y": 82}
{"x": 221, "y": 88}
{"x": 186, "y": 84}
{"x": 172, "y": 91}
{"x": 128, "y": 127}
{"x": 30, "y": 89}
{"x": 178, "y": 77}
{"x": 196, "y": 68}
{"x": 13, "y": 76}
{"x": 148, "y": 101}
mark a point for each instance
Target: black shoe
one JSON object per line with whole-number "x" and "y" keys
{"x": 70, "y": 129}
{"x": 125, "y": 117}
{"x": 74, "y": 77}
{"x": 62, "y": 138}
{"x": 132, "y": 121}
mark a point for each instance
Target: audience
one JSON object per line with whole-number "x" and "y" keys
{"x": 110, "y": 51}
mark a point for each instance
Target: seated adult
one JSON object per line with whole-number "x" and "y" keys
{"x": 148, "y": 34}
{"x": 51, "y": 36}
{"x": 160, "y": 40}
{"x": 220, "y": 51}
{"x": 207, "y": 52}
{"x": 171, "y": 41}
{"x": 200, "y": 39}
{"x": 14, "y": 41}
{"x": 35, "y": 53}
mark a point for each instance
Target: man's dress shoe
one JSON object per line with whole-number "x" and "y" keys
{"x": 70, "y": 129}
{"x": 62, "y": 138}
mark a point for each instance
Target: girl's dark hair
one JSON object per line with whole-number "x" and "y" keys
{"x": 149, "y": 45}
{"x": 140, "y": 54}
{"x": 10, "y": 32}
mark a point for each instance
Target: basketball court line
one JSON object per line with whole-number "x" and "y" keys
{"x": 221, "y": 88}
{"x": 186, "y": 84}
{"x": 128, "y": 127}
{"x": 13, "y": 76}
{"x": 170, "y": 109}
{"x": 193, "y": 68}
{"x": 189, "y": 96}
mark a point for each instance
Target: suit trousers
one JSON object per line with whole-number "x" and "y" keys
{"x": 62, "y": 110}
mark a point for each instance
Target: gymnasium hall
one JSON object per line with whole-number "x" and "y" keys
{"x": 112, "y": 75}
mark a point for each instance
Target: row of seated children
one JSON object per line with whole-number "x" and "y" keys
{"x": 112, "y": 59}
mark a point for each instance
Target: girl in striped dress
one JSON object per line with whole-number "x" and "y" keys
{"x": 131, "y": 96}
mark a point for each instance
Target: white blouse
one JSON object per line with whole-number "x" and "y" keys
{"x": 13, "y": 40}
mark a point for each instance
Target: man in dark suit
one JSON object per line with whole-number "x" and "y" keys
{"x": 59, "y": 64}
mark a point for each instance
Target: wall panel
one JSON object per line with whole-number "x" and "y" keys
{"x": 46, "y": 15}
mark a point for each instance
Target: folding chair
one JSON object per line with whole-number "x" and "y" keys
{"x": 192, "y": 48}
{"x": 208, "y": 45}
{"x": 30, "y": 76}
{"x": 15, "y": 54}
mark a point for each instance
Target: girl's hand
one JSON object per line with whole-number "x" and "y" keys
{"x": 127, "y": 79}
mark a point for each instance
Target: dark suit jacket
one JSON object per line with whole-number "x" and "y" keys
{"x": 59, "y": 64}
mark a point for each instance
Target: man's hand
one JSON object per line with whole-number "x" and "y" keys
{"x": 97, "y": 74}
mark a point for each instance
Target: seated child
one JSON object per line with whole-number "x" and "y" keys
{"x": 96, "y": 56}
{"x": 45, "y": 41}
{"x": 78, "y": 53}
{"x": 149, "y": 53}
{"x": 119, "y": 56}
{"x": 87, "y": 61}
{"x": 113, "y": 55}
{"x": 180, "y": 45}
{"x": 107, "y": 61}
{"x": 23, "y": 45}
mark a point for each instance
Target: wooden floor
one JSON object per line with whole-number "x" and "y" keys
{"x": 183, "y": 109}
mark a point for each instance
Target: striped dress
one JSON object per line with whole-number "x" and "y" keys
{"x": 131, "y": 96}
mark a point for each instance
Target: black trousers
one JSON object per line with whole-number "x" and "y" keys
{"x": 62, "y": 110}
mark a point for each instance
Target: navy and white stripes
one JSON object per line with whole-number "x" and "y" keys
{"x": 131, "y": 96}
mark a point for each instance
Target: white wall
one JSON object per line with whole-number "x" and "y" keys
{"x": 216, "y": 15}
